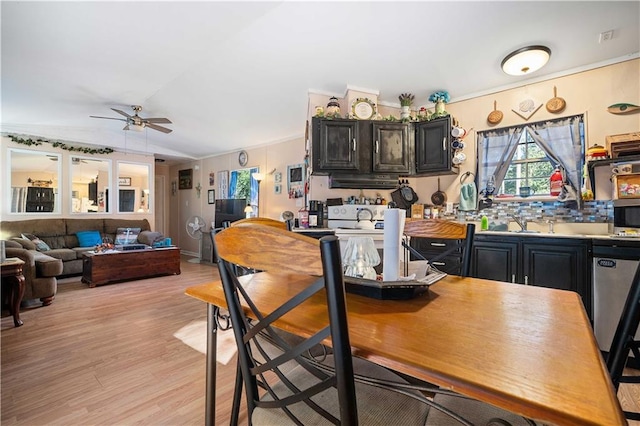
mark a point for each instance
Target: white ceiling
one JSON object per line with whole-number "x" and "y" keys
{"x": 232, "y": 75}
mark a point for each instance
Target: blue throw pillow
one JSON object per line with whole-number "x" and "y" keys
{"x": 88, "y": 238}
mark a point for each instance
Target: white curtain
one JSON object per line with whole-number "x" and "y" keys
{"x": 563, "y": 142}
{"x": 561, "y": 139}
{"x": 495, "y": 151}
{"x": 18, "y": 199}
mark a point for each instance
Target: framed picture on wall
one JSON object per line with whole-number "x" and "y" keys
{"x": 211, "y": 196}
{"x": 295, "y": 180}
{"x": 223, "y": 184}
{"x": 185, "y": 179}
{"x": 124, "y": 181}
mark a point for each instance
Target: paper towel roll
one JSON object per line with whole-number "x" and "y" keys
{"x": 393, "y": 229}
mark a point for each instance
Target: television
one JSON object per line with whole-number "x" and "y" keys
{"x": 231, "y": 209}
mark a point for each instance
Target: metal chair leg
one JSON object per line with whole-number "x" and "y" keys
{"x": 237, "y": 396}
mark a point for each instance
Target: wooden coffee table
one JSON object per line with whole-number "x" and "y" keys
{"x": 114, "y": 266}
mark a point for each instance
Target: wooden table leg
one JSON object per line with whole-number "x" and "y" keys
{"x": 17, "y": 291}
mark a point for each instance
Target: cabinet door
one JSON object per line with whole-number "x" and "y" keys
{"x": 495, "y": 260}
{"x": 47, "y": 194}
{"x": 93, "y": 192}
{"x": 33, "y": 193}
{"x": 562, "y": 265}
{"x": 433, "y": 146}
{"x": 391, "y": 151}
{"x": 335, "y": 145}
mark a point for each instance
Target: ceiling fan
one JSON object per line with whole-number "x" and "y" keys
{"x": 74, "y": 160}
{"x": 137, "y": 123}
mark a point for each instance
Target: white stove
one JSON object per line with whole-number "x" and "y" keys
{"x": 356, "y": 216}
{"x": 357, "y": 220}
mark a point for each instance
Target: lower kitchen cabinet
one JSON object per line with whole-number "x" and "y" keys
{"x": 561, "y": 263}
{"x": 494, "y": 260}
{"x": 432, "y": 247}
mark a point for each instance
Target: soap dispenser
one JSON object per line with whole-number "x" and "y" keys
{"x": 484, "y": 223}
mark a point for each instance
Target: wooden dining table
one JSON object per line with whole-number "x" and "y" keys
{"x": 529, "y": 350}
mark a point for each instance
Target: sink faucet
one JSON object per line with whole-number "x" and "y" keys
{"x": 522, "y": 223}
{"x": 550, "y": 222}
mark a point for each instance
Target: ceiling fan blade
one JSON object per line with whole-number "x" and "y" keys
{"x": 126, "y": 127}
{"x": 108, "y": 118}
{"x": 157, "y": 120}
{"x": 159, "y": 128}
{"x": 121, "y": 112}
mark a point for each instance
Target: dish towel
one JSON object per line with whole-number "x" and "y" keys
{"x": 468, "y": 197}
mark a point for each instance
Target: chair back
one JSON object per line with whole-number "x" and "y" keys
{"x": 448, "y": 230}
{"x": 624, "y": 340}
{"x": 262, "y": 221}
{"x": 277, "y": 251}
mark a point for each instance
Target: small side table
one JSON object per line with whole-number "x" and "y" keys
{"x": 12, "y": 274}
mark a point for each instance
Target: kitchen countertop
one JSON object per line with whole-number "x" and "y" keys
{"x": 558, "y": 235}
{"x": 586, "y": 231}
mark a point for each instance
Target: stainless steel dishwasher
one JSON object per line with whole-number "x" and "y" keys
{"x": 614, "y": 264}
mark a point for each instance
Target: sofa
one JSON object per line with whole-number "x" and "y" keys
{"x": 64, "y": 254}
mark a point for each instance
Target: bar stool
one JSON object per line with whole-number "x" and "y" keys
{"x": 623, "y": 341}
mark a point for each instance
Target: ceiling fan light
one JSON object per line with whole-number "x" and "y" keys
{"x": 526, "y": 60}
{"x": 136, "y": 127}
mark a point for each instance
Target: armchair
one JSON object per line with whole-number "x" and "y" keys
{"x": 40, "y": 272}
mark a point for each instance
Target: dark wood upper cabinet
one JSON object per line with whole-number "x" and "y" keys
{"x": 433, "y": 147}
{"x": 335, "y": 146}
{"x": 392, "y": 148}
{"x": 354, "y": 148}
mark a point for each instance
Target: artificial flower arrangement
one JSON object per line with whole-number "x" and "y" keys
{"x": 406, "y": 99}
{"x": 442, "y": 95}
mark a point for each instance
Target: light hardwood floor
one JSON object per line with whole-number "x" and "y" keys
{"x": 108, "y": 356}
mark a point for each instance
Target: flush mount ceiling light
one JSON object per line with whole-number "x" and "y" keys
{"x": 136, "y": 127}
{"x": 526, "y": 60}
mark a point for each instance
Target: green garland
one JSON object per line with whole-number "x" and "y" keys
{"x": 37, "y": 142}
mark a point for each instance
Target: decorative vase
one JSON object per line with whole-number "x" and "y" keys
{"x": 440, "y": 107}
{"x": 405, "y": 112}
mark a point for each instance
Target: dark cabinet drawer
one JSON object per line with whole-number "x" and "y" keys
{"x": 432, "y": 247}
{"x": 435, "y": 245}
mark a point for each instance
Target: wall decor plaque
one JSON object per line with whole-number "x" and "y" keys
{"x": 185, "y": 179}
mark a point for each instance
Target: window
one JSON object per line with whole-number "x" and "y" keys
{"x": 243, "y": 186}
{"x": 526, "y": 156}
{"x": 530, "y": 167}
{"x": 242, "y": 189}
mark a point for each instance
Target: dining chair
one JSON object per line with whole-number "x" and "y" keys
{"x": 239, "y": 270}
{"x": 624, "y": 341}
{"x": 291, "y": 386}
{"x": 300, "y": 389}
{"x": 459, "y": 234}
{"x": 262, "y": 221}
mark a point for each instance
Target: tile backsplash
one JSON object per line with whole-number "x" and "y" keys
{"x": 592, "y": 212}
